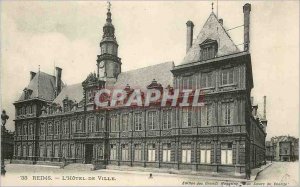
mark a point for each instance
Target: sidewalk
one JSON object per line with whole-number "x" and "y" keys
{"x": 255, "y": 172}
{"x": 187, "y": 173}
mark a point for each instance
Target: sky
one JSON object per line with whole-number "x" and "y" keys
{"x": 67, "y": 34}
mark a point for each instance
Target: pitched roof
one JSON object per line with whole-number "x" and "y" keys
{"x": 73, "y": 92}
{"x": 141, "y": 78}
{"x": 42, "y": 86}
{"x": 213, "y": 30}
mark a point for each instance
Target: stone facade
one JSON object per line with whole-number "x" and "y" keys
{"x": 282, "y": 148}
{"x": 221, "y": 136}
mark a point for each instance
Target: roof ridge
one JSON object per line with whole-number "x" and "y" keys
{"x": 149, "y": 66}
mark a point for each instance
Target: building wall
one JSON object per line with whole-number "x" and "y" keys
{"x": 283, "y": 148}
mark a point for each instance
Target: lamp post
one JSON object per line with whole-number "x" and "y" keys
{"x": 4, "y": 118}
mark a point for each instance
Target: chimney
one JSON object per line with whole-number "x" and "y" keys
{"x": 58, "y": 80}
{"x": 254, "y": 110}
{"x": 246, "y": 11}
{"x": 189, "y": 35}
{"x": 221, "y": 21}
{"x": 265, "y": 107}
{"x": 32, "y": 74}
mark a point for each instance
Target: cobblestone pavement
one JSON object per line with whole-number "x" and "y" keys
{"x": 25, "y": 175}
{"x": 280, "y": 173}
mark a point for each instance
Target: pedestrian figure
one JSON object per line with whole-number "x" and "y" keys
{"x": 150, "y": 176}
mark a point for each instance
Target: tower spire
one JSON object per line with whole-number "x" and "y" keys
{"x": 108, "y": 62}
{"x": 108, "y": 6}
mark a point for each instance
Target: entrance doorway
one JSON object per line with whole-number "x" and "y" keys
{"x": 88, "y": 153}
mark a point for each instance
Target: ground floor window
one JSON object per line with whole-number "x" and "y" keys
{"x": 64, "y": 151}
{"x": 19, "y": 150}
{"x": 42, "y": 151}
{"x": 186, "y": 153}
{"x": 56, "y": 151}
{"x": 125, "y": 152}
{"x": 49, "y": 151}
{"x": 113, "y": 152}
{"x": 99, "y": 152}
{"x": 72, "y": 151}
{"x": 24, "y": 151}
{"x": 167, "y": 152}
{"x": 151, "y": 153}
{"x": 137, "y": 152}
{"x": 205, "y": 153}
{"x": 226, "y": 153}
{"x": 30, "y": 150}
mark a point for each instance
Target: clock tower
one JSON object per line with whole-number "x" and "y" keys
{"x": 108, "y": 62}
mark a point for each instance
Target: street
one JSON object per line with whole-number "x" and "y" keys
{"x": 279, "y": 173}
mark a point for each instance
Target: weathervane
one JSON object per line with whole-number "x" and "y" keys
{"x": 108, "y": 5}
{"x": 212, "y": 6}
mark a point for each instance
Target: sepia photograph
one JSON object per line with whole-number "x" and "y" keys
{"x": 149, "y": 93}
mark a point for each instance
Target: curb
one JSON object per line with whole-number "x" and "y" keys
{"x": 261, "y": 171}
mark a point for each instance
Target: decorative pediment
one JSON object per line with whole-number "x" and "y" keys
{"x": 27, "y": 93}
{"x": 91, "y": 80}
{"x": 154, "y": 85}
{"x": 209, "y": 41}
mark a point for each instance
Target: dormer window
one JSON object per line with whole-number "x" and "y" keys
{"x": 27, "y": 93}
{"x": 209, "y": 49}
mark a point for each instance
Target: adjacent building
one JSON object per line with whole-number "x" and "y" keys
{"x": 55, "y": 122}
{"x": 282, "y": 148}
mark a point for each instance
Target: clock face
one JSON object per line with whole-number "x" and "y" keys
{"x": 101, "y": 64}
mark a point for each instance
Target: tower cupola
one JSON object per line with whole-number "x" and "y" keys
{"x": 108, "y": 62}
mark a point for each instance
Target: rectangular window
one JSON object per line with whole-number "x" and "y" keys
{"x": 151, "y": 153}
{"x": 64, "y": 151}
{"x": 30, "y": 131}
{"x": 113, "y": 152}
{"x": 138, "y": 121}
{"x": 99, "y": 153}
{"x": 207, "y": 52}
{"x": 30, "y": 150}
{"x": 227, "y": 113}
{"x": 73, "y": 125}
{"x": 187, "y": 82}
{"x": 205, "y": 153}
{"x": 65, "y": 127}
{"x": 125, "y": 122}
{"x": 227, "y": 76}
{"x": 167, "y": 119}
{"x": 226, "y": 153}
{"x": 91, "y": 124}
{"x": 151, "y": 120}
{"x": 113, "y": 123}
{"x": 42, "y": 151}
{"x": 137, "y": 152}
{"x": 49, "y": 151}
{"x": 79, "y": 126}
{"x": 56, "y": 151}
{"x": 186, "y": 153}
{"x": 72, "y": 151}
{"x": 125, "y": 152}
{"x": 50, "y": 128}
{"x": 100, "y": 124}
{"x": 167, "y": 152}
{"x": 56, "y": 128}
{"x": 206, "y": 80}
{"x": 206, "y": 115}
{"x": 186, "y": 117}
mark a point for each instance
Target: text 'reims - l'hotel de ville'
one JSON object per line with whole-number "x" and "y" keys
{"x": 56, "y": 123}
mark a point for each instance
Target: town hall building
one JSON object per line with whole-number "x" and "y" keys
{"x": 58, "y": 123}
